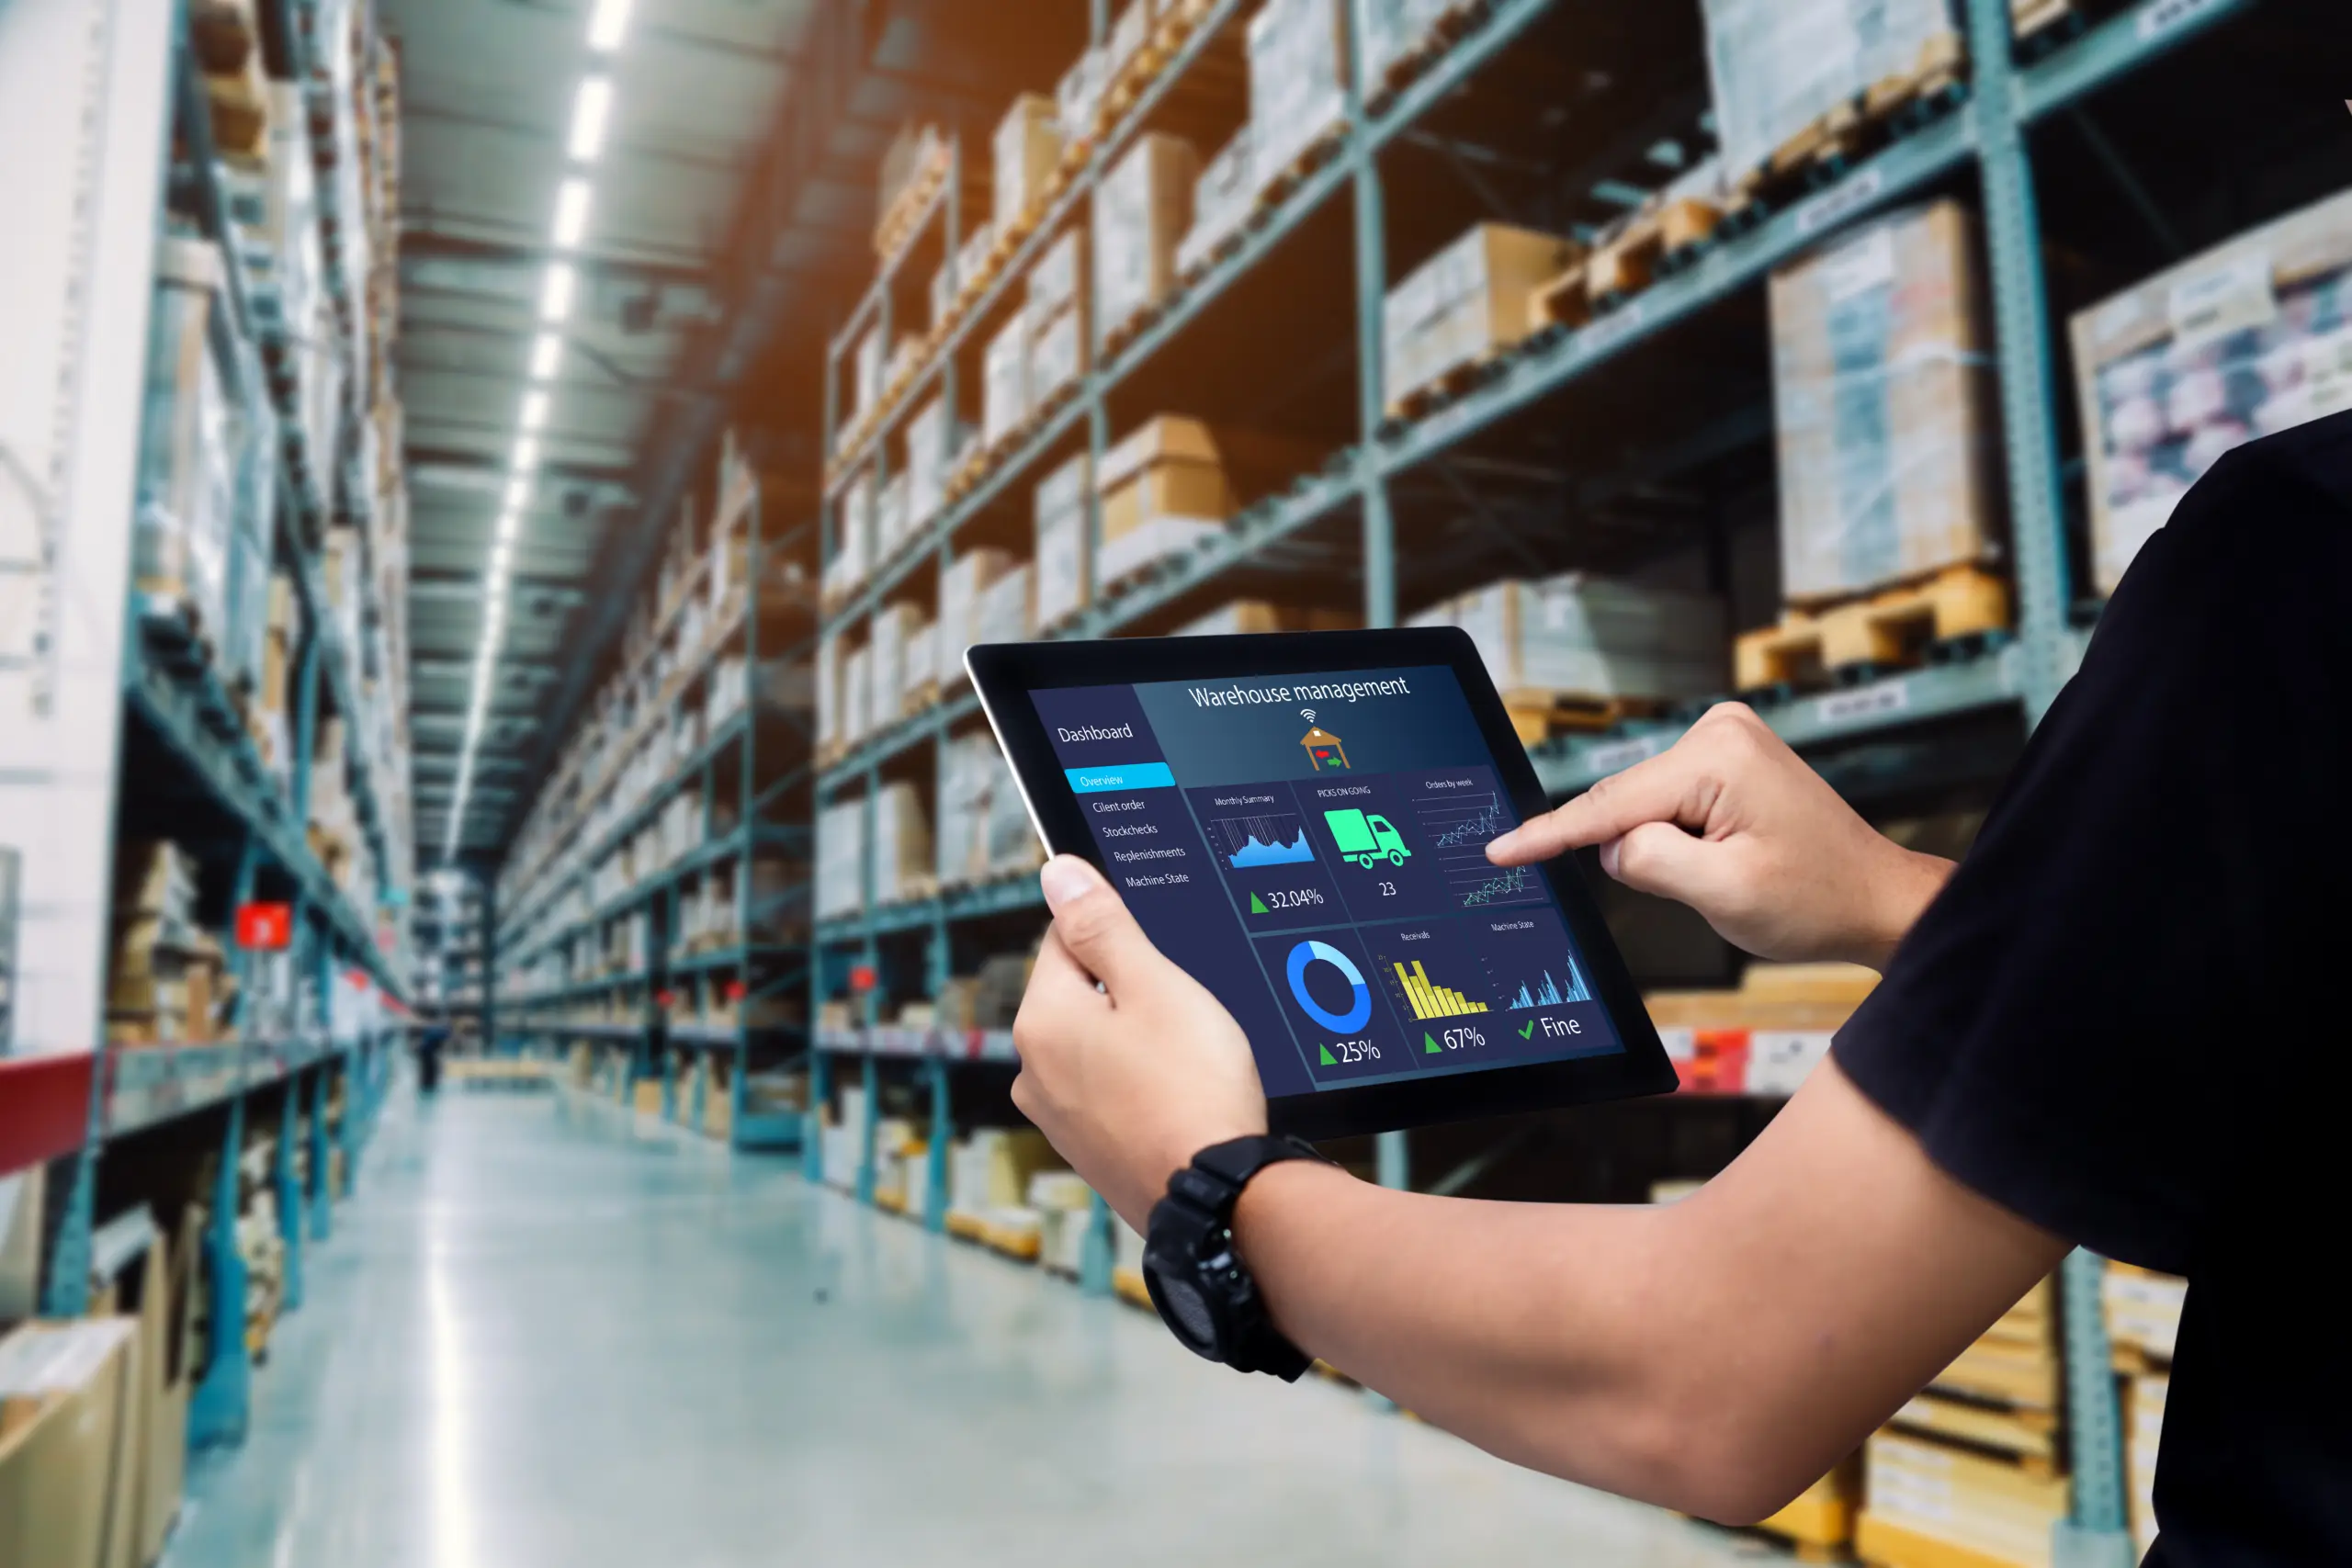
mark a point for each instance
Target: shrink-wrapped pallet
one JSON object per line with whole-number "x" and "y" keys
{"x": 1004, "y": 379}
{"x": 1057, "y": 357}
{"x": 190, "y": 446}
{"x": 1064, "y": 543}
{"x": 1777, "y": 67}
{"x": 841, "y": 859}
{"x": 1391, "y": 31}
{"x": 903, "y": 852}
{"x": 983, "y": 828}
{"x": 1299, "y": 53}
{"x": 1591, "y": 637}
{"x": 1222, "y": 198}
{"x": 1464, "y": 305}
{"x": 962, "y": 589}
{"x": 1883, "y": 399}
{"x": 887, "y": 680}
{"x": 1142, "y": 207}
{"x": 930, "y": 439}
{"x": 2251, "y": 337}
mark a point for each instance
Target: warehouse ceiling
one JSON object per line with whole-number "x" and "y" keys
{"x": 489, "y": 90}
{"x": 731, "y": 222}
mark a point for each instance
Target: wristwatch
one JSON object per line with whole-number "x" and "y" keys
{"x": 1201, "y": 1287}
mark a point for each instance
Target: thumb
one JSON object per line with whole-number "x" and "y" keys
{"x": 1094, "y": 924}
{"x": 1660, "y": 858}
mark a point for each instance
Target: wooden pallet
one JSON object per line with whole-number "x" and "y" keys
{"x": 1821, "y": 151}
{"x": 1127, "y": 1285}
{"x": 1438, "y": 390}
{"x": 1537, "y": 714}
{"x": 1657, "y": 241}
{"x": 2041, "y": 26}
{"x": 1412, "y": 62}
{"x": 907, "y": 208}
{"x": 1894, "y": 628}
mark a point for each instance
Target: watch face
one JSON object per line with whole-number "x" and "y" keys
{"x": 1186, "y": 1311}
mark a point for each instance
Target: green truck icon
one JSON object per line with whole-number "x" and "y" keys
{"x": 1367, "y": 839}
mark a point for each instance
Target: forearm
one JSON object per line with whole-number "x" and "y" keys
{"x": 1907, "y": 884}
{"x": 1543, "y": 1334}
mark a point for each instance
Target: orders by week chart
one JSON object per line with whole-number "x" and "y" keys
{"x": 1312, "y": 848}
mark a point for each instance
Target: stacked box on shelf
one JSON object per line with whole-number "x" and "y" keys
{"x": 902, "y": 845}
{"x": 1250, "y": 617}
{"x": 1064, "y": 557}
{"x": 1143, "y": 206}
{"x": 1160, "y": 491}
{"x": 1028, "y": 148}
{"x": 2251, "y": 337}
{"x": 1004, "y": 380}
{"x": 2142, "y": 1308}
{"x": 1298, "y": 83}
{"x": 984, "y": 828}
{"x": 2143, "y": 1434}
{"x": 1394, "y": 31}
{"x": 1784, "y": 71}
{"x": 1463, "y": 306}
{"x": 1592, "y": 638}
{"x": 1078, "y": 99}
{"x": 963, "y": 599}
{"x": 852, "y": 546}
{"x": 165, "y": 975}
{"x": 1883, "y": 401}
{"x": 892, "y": 624}
{"x": 1056, "y": 319}
{"x": 1972, "y": 1463}
{"x": 989, "y": 1170}
{"x": 931, "y": 442}
{"x": 1223, "y": 197}
{"x": 190, "y": 445}
{"x": 1065, "y": 1208}
{"x": 69, "y": 1466}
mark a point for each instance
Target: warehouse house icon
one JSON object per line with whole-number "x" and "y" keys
{"x": 1323, "y": 749}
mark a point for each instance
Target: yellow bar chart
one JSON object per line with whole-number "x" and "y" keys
{"x": 1430, "y": 999}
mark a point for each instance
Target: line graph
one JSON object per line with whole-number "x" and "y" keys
{"x": 1278, "y": 838}
{"x": 1459, "y": 824}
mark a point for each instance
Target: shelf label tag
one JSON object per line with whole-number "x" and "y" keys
{"x": 2160, "y": 17}
{"x": 1866, "y": 702}
{"x": 265, "y": 927}
{"x": 1852, "y": 194}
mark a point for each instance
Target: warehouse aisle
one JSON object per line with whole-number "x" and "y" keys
{"x": 543, "y": 1338}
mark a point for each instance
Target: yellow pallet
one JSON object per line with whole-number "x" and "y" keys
{"x": 1127, "y": 1285}
{"x": 964, "y": 1226}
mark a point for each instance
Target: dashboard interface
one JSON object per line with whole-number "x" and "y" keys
{"x": 1312, "y": 848}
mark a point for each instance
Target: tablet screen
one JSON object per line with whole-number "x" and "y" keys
{"x": 1312, "y": 848}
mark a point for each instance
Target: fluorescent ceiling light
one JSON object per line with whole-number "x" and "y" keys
{"x": 606, "y": 23}
{"x": 546, "y": 354}
{"x": 590, "y": 111}
{"x": 526, "y": 454}
{"x": 535, "y": 409}
{"x": 509, "y": 524}
{"x": 518, "y": 495}
{"x": 571, "y": 211}
{"x": 555, "y": 294}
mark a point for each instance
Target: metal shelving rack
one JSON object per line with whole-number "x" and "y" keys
{"x": 1986, "y": 132}
{"x": 747, "y": 975}
{"x": 105, "y": 681}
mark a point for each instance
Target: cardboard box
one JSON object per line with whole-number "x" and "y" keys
{"x": 1393, "y": 28}
{"x": 930, "y": 440}
{"x": 1077, "y": 98}
{"x": 1464, "y": 304}
{"x": 902, "y": 849}
{"x": 841, "y": 859}
{"x": 1298, "y": 54}
{"x": 1028, "y": 146}
{"x": 1953, "y": 1496}
{"x": 70, "y": 1465}
{"x": 1004, "y": 386}
{"x": 1063, "y": 552}
{"x": 1883, "y": 397}
{"x": 886, "y": 684}
{"x": 1246, "y": 617}
{"x": 1142, "y": 208}
{"x": 920, "y": 674}
{"x": 156, "y": 1290}
{"x": 1159, "y": 492}
{"x": 967, "y": 579}
{"x": 2248, "y": 339}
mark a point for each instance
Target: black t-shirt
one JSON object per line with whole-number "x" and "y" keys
{"x": 2125, "y": 1018}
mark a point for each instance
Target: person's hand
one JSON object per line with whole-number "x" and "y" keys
{"x": 1131, "y": 1080}
{"x": 1733, "y": 823}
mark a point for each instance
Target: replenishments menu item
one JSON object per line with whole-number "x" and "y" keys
{"x": 1313, "y": 849}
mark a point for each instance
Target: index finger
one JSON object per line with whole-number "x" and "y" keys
{"x": 1678, "y": 786}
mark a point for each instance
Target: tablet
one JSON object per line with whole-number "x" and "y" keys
{"x": 1300, "y": 822}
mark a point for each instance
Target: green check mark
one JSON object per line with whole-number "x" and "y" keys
{"x": 1528, "y": 1030}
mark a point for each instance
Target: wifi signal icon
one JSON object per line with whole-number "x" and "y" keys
{"x": 1306, "y": 713}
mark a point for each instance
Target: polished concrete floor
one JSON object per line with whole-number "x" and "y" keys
{"x": 544, "y": 1334}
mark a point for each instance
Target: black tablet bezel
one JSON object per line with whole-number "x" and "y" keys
{"x": 1005, "y": 673}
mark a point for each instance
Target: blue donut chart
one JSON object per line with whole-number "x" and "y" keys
{"x": 1359, "y": 1012}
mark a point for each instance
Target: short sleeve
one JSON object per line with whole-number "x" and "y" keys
{"x": 2078, "y": 1026}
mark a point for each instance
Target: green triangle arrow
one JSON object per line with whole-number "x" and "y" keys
{"x": 1329, "y": 1059}
{"x": 1257, "y": 905}
{"x": 1434, "y": 1049}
